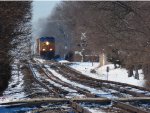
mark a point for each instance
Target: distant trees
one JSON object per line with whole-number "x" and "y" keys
{"x": 14, "y": 30}
{"x": 117, "y": 25}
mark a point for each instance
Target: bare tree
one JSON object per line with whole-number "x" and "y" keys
{"x": 14, "y": 18}
{"x": 117, "y": 25}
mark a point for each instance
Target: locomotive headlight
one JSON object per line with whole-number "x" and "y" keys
{"x": 47, "y": 43}
{"x": 50, "y": 49}
{"x": 43, "y": 49}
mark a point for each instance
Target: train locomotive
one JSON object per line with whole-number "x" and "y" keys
{"x": 46, "y": 47}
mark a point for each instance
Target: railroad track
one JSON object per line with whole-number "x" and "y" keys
{"x": 121, "y": 87}
{"x": 75, "y": 105}
{"x": 77, "y": 108}
{"x": 59, "y": 81}
{"x": 107, "y": 84}
{"x": 88, "y": 93}
{"x": 41, "y": 83}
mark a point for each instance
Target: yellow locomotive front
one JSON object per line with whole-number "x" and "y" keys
{"x": 47, "y": 47}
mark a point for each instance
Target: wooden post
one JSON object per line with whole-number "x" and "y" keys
{"x": 102, "y": 59}
{"x": 136, "y": 72}
{"x": 130, "y": 71}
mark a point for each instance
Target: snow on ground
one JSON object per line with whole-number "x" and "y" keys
{"x": 52, "y": 82}
{"x": 95, "y": 111}
{"x": 92, "y": 90}
{"x": 63, "y": 61}
{"x": 85, "y": 67}
{"x": 118, "y": 75}
{"x": 14, "y": 90}
{"x": 72, "y": 93}
{"x": 39, "y": 60}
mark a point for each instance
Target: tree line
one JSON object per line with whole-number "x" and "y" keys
{"x": 121, "y": 29}
{"x": 15, "y": 30}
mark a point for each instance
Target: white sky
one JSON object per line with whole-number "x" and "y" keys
{"x": 42, "y": 9}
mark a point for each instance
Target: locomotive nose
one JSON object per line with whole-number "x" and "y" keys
{"x": 46, "y": 47}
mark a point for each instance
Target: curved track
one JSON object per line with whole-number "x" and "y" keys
{"x": 57, "y": 91}
{"x": 121, "y": 87}
{"x": 132, "y": 90}
{"x": 73, "y": 75}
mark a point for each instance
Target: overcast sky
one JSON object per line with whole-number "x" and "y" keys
{"x": 41, "y": 9}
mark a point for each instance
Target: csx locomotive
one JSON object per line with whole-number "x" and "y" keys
{"x": 46, "y": 47}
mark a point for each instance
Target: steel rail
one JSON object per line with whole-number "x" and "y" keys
{"x": 92, "y": 100}
{"x": 40, "y": 83}
{"x": 127, "y": 107}
{"x": 59, "y": 81}
{"x": 106, "y": 81}
{"x": 95, "y": 82}
{"x": 77, "y": 109}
